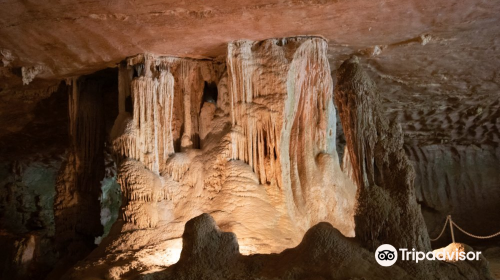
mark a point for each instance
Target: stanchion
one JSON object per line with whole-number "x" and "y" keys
{"x": 451, "y": 229}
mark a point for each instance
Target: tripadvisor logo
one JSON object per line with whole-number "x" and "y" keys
{"x": 387, "y": 255}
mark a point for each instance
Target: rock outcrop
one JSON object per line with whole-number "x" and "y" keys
{"x": 323, "y": 253}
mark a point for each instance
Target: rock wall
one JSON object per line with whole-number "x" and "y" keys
{"x": 30, "y": 158}
{"x": 27, "y": 219}
{"x": 462, "y": 181}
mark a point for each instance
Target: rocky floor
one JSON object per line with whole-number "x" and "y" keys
{"x": 492, "y": 254}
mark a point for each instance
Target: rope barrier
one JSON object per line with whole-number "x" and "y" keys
{"x": 453, "y": 224}
{"x": 444, "y": 228}
{"x": 476, "y": 236}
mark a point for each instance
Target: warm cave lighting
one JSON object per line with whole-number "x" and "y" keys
{"x": 154, "y": 139}
{"x": 165, "y": 258}
{"x": 249, "y": 250}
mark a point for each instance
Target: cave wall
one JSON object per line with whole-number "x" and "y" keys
{"x": 458, "y": 180}
{"x": 77, "y": 209}
{"x": 31, "y": 154}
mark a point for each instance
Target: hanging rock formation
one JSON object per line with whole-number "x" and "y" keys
{"x": 283, "y": 119}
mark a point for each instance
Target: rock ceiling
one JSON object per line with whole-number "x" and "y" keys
{"x": 436, "y": 62}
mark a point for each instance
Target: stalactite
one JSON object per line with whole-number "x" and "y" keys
{"x": 186, "y": 141}
{"x": 73, "y": 105}
{"x": 88, "y": 132}
{"x": 151, "y": 138}
{"x": 258, "y": 101}
{"x": 147, "y": 137}
{"x": 252, "y": 113}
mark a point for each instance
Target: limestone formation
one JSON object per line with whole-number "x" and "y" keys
{"x": 263, "y": 162}
{"x": 461, "y": 181}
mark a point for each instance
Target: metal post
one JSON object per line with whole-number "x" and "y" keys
{"x": 451, "y": 229}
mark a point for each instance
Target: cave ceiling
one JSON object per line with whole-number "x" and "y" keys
{"x": 435, "y": 62}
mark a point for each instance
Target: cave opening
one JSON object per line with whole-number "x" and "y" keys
{"x": 210, "y": 93}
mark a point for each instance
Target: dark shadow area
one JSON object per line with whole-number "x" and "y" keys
{"x": 46, "y": 132}
{"x": 210, "y": 93}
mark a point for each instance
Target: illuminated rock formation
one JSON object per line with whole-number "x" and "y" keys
{"x": 258, "y": 153}
{"x": 323, "y": 253}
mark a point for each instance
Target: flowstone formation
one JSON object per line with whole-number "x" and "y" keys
{"x": 249, "y": 138}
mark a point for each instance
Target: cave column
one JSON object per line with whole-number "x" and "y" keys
{"x": 186, "y": 141}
